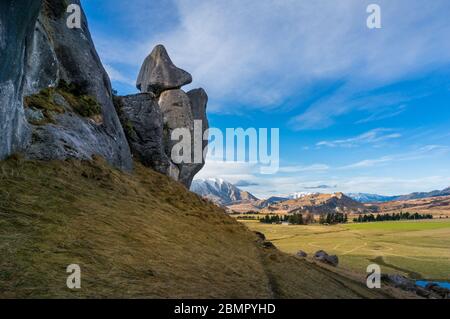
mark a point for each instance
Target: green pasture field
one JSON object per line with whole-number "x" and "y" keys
{"x": 418, "y": 249}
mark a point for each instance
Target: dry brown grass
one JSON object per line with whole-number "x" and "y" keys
{"x": 136, "y": 236}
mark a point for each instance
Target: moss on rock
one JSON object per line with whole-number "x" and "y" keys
{"x": 82, "y": 104}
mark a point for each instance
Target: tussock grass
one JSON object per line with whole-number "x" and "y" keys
{"x": 136, "y": 236}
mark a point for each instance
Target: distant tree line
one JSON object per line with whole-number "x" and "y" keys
{"x": 295, "y": 219}
{"x": 391, "y": 217}
{"x": 247, "y": 217}
{"x": 333, "y": 218}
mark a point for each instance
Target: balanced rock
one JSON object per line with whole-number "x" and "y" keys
{"x": 158, "y": 73}
{"x": 150, "y": 119}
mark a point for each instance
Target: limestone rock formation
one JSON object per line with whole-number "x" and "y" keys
{"x": 17, "y": 20}
{"x": 143, "y": 123}
{"x": 158, "y": 73}
{"x": 56, "y": 99}
{"x": 62, "y": 58}
{"x": 149, "y": 119}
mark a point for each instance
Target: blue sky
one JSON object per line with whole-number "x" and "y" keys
{"x": 359, "y": 110}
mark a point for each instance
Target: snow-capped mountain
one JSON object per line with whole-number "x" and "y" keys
{"x": 374, "y": 198}
{"x": 370, "y": 198}
{"x": 220, "y": 191}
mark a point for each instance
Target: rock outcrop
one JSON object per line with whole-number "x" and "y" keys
{"x": 57, "y": 103}
{"x": 65, "y": 60}
{"x": 17, "y": 20}
{"x": 158, "y": 73}
{"x": 150, "y": 118}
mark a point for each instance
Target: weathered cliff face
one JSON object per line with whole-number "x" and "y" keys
{"x": 150, "y": 118}
{"x": 17, "y": 19}
{"x": 66, "y": 60}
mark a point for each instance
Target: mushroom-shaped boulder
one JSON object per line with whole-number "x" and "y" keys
{"x": 158, "y": 73}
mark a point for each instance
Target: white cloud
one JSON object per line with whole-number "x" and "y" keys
{"x": 384, "y": 113}
{"x": 371, "y": 137}
{"x": 261, "y": 53}
{"x": 116, "y": 75}
{"x": 299, "y": 169}
{"x": 422, "y": 152}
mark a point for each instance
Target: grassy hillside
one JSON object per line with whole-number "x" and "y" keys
{"x": 418, "y": 249}
{"x": 139, "y": 235}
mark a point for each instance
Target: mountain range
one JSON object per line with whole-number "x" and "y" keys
{"x": 318, "y": 204}
{"x": 375, "y": 198}
{"x": 227, "y": 194}
{"x": 220, "y": 192}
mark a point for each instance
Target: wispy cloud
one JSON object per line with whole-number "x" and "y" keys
{"x": 425, "y": 151}
{"x": 300, "y": 169}
{"x": 116, "y": 75}
{"x": 384, "y": 113}
{"x": 371, "y": 137}
{"x": 236, "y": 52}
{"x": 320, "y": 187}
{"x": 245, "y": 183}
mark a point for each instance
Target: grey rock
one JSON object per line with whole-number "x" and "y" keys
{"x": 302, "y": 254}
{"x": 181, "y": 110}
{"x": 158, "y": 73}
{"x": 34, "y": 115}
{"x": 323, "y": 257}
{"x": 268, "y": 245}
{"x": 149, "y": 123}
{"x": 17, "y": 20}
{"x": 177, "y": 113}
{"x": 332, "y": 260}
{"x": 440, "y": 291}
{"x": 261, "y": 236}
{"x": 59, "y": 53}
{"x": 176, "y": 109}
{"x": 422, "y": 292}
{"x": 142, "y": 120}
{"x": 198, "y": 100}
{"x": 319, "y": 255}
{"x": 400, "y": 281}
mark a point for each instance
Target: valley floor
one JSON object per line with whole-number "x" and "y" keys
{"x": 418, "y": 249}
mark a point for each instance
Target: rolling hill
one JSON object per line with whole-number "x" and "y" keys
{"x": 318, "y": 204}
{"x": 438, "y": 206}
